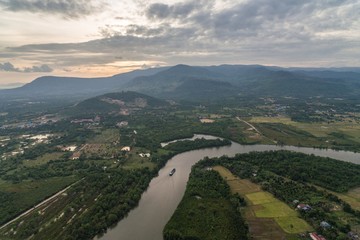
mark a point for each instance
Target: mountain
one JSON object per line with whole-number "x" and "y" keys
{"x": 167, "y": 81}
{"x": 51, "y": 86}
{"x": 118, "y": 103}
{"x": 194, "y": 83}
{"x": 214, "y": 82}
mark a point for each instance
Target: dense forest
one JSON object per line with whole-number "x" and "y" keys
{"x": 207, "y": 211}
{"x": 326, "y": 172}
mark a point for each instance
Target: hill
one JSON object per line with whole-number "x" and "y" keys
{"x": 118, "y": 103}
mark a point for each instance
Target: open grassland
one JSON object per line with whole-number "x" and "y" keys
{"x": 260, "y": 198}
{"x": 293, "y": 224}
{"x": 43, "y": 159}
{"x": 289, "y": 135}
{"x": 237, "y": 185}
{"x": 268, "y": 218}
{"x": 348, "y": 130}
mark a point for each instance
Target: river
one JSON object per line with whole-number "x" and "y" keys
{"x": 164, "y": 193}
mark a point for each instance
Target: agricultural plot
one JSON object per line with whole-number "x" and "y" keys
{"x": 264, "y": 213}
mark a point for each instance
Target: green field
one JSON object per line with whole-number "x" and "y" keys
{"x": 43, "y": 159}
{"x": 260, "y": 198}
{"x": 275, "y": 209}
{"x": 268, "y": 217}
{"x": 339, "y": 134}
{"x": 293, "y": 224}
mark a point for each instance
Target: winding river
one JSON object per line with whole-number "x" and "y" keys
{"x": 164, "y": 193}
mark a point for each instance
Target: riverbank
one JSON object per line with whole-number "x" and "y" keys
{"x": 164, "y": 193}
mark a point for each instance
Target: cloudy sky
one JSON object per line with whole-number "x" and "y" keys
{"x": 103, "y": 37}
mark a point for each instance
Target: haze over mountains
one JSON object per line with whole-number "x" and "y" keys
{"x": 182, "y": 82}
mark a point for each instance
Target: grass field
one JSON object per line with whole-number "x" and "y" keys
{"x": 268, "y": 217}
{"x": 260, "y": 198}
{"x": 293, "y": 224}
{"x": 350, "y": 129}
{"x": 43, "y": 159}
{"x": 237, "y": 185}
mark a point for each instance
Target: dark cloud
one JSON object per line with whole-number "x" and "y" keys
{"x": 69, "y": 9}
{"x": 9, "y": 67}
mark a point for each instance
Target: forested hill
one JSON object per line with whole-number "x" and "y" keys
{"x": 118, "y": 103}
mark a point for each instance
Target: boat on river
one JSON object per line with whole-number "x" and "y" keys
{"x": 172, "y": 172}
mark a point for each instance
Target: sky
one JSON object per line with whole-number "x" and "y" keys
{"x": 90, "y": 38}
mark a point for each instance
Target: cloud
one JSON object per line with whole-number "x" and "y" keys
{"x": 9, "y": 67}
{"x": 248, "y": 31}
{"x": 178, "y": 10}
{"x": 68, "y": 9}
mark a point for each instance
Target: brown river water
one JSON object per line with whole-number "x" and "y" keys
{"x": 159, "y": 201}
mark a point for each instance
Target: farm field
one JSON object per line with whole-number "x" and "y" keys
{"x": 264, "y": 213}
{"x": 346, "y": 131}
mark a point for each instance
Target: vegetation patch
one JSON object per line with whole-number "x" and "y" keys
{"x": 207, "y": 210}
{"x": 293, "y": 224}
{"x": 260, "y": 198}
{"x": 186, "y": 145}
{"x": 19, "y": 197}
{"x": 44, "y": 159}
{"x": 324, "y": 206}
{"x": 264, "y": 205}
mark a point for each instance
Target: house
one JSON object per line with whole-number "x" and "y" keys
{"x": 144, "y": 155}
{"x": 122, "y": 124}
{"x": 303, "y": 207}
{"x": 314, "y": 236}
{"x": 75, "y": 156}
{"x": 126, "y": 149}
{"x": 325, "y": 224}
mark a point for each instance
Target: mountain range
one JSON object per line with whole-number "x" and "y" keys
{"x": 194, "y": 83}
